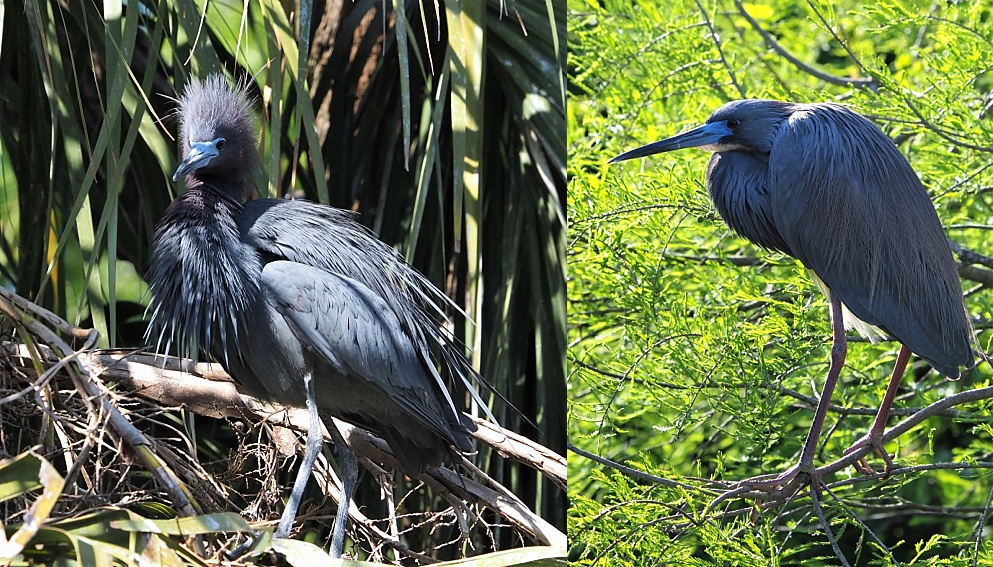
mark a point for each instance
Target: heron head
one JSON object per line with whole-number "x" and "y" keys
{"x": 747, "y": 125}
{"x": 217, "y": 132}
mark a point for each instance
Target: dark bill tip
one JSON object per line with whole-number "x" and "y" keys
{"x": 200, "y": 155}
{"x": 706, "y": 135}
{"x": 643, "y": 151}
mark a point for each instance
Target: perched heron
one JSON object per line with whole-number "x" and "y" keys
{"x": 300, "y": 303}
{"x": 821, "y": 183}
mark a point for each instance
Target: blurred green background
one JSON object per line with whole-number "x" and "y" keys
{"x": 693, "y": 355}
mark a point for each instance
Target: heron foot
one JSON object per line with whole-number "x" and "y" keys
{"x": 874, "y": 440}
{"x": 773, "y": 487}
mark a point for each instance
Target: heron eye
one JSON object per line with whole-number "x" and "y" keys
{"x": 732, "y": 124}
{"x": 220, "y": 143}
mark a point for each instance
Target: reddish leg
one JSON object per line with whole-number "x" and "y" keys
{"x": 874, "y": 438}
{"x": 839, "y": 349}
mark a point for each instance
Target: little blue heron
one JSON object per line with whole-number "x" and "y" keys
{"x": 300, "y": 303}
{"x": 824, "y": 185}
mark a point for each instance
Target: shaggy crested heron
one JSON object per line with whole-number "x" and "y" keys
{"x": 300, "y": 303}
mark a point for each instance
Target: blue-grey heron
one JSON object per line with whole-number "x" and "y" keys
{"x": 823, "y": 184}
{"x": 300, "y": 303}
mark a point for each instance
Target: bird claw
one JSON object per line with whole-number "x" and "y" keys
{"x": 772, "y": 487}
{"x": 876, "y": 442}
{"x": 776, "y": 487}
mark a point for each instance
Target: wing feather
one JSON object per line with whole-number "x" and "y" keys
{"x": 358, "y": 334}
{"x": 332, "y": 240}
{"x": 851, "y": 208}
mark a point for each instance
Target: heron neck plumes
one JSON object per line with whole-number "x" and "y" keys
{"x": 745, "y": 203}
{"x": 203, "y": 278}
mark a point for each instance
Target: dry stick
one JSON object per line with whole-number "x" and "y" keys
{"x": 90, "y": 389}
{"x": 442, "y": 480}
{"x": 94, "y": 418}
{"x": 520, "y": 448}
{"x": 331, "y": 486}
{"x": 205, "y": 389}
{"x": 47, "y": 375}
{"x": 364, "y": 444}
{"x": 445, "y": 482}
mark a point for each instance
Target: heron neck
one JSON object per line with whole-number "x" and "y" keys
{"x": 231, "y": 188}
{"x": 738, "y": 183}
{"x": 198, "y": 247}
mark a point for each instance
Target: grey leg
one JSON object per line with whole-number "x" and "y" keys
{"x": 349, "y": 476}
{"x": 315, "y": 442}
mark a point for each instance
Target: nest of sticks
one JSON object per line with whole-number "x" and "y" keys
{"x": 118, "y": 438}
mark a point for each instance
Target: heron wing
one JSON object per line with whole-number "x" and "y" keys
{"x": 356, "y": 332}
{"x": 332, "y": 240}
{"x": 328, "y": 238}
{"x": 851, "y": 208}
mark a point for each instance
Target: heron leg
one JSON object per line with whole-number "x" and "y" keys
{"x": 874, "y": 438}
{"x": 839, "y": 349}
{"x": 349, "y": 475}
{"x": 315, "y": 442}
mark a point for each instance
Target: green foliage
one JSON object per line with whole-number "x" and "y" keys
{"x": 695, "y": 356}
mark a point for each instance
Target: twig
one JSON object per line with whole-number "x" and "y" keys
{"x": 841, "y": 42}
{"x": 826, "y": 77}
{"x": 331, "y": 486}
{"x": 942, "y": 133}
{"x": 970, "y": 257}
{"x": 717, "y": 43}
{"x": 205, "y": 389}
{"x": 980, "y": 527}
{"x": 92, "y": 389}
{"x": 845, "y": 461}
{"x": 736, "y": 490}
{"x": 865, "y": 528}
{"x": 633, "y": 473}
{"x": 521, "y": 449}
{"x": 816, "y": 499}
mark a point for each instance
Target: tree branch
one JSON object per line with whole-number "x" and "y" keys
{"x": 826, "y": 77}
